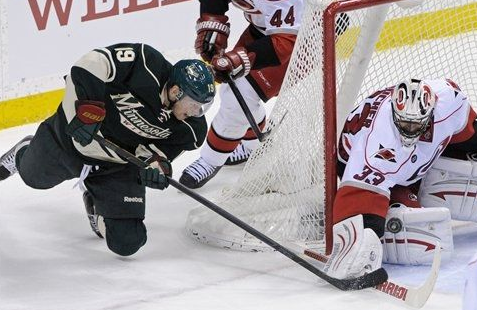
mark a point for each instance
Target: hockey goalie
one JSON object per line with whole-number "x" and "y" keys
{"x": 390, "y": 142}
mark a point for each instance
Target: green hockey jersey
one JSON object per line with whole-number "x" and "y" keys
{"x": 129, "y": 79}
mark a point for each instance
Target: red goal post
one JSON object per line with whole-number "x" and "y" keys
{"x": 330, "y": 15}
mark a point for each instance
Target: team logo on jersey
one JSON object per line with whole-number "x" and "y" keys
{"x": 131, "y": 117}
{"x": 165, "y": 115}
{"x": 388, "y": 154}
{"x": 420, "y": 171}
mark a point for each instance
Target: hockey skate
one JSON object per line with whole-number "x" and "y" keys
{"x": 240, "y": 155}
{"x": 8, "y": 166}
{"x": 92, "y": 216}
{"x": 198, "y": 173}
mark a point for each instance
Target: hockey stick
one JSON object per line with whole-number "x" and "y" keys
{"x": 369, "y": 280}
{"x": 412, "y": 296}
{"x": 248, "y": 114}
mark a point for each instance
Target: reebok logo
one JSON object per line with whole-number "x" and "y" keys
{"x": 132, "y": 199}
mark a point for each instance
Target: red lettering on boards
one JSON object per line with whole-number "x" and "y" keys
{"x": 62, "y": 9}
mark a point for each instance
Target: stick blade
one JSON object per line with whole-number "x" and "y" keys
{"x": 417, "y": 297}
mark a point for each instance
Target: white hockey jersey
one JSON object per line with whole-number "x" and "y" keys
{"x": 375, "y": 159}
{"x": 272, "y": 16}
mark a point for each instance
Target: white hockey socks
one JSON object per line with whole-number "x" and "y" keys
{"x": 356, "y": 250}
{"x": 411, "y": 234}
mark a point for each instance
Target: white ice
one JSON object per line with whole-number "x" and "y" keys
{"x": 50, "y": 259}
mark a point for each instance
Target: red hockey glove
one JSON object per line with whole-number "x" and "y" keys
{"x": 236, "y": 63}
{"x": 212, "y": 34}
{"x": 89, "y": 116}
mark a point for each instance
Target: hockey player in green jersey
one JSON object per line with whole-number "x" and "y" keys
{"x": 131, "y": 95}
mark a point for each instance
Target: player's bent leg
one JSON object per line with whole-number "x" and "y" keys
{"x": 124, "y": 236}
{"x": 118, "y": 207}
{"x": 47, "y": 162}
{"x": 411, "y": 235}
{"x": 356, "y": 250}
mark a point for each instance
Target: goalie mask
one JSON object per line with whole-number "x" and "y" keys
{"x": 196, "y": 83}
{"x": 413, "y": 104}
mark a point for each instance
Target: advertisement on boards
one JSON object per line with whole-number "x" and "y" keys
{"x": 41, "y": 39}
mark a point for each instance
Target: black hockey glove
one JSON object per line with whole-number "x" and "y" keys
{"x": 86, "y": 123}
{"x": 155, "y": 175}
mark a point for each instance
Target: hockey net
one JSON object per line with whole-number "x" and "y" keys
{"x": 345, "y": 51}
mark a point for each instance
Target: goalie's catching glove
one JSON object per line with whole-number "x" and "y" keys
{"x": 87, "y": 121}
{"x": 156, "y": 174}
{"x": 236, "y": 63}
{"x": 212, "y": 34}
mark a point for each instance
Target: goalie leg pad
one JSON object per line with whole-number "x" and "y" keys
{"x": 356, "y": 250}
{"x": 451, "y": 183}
{"x": 411, "y": 234}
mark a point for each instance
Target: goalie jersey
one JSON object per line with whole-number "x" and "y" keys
{"x": 129, "y": 79}
{"x": 373, "y": 155}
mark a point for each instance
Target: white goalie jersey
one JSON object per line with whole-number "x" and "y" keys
{"x": 375, "y": 159}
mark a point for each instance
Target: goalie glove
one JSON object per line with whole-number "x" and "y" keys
{"x": 212, "y": 34}
{"x": 236, "y": 63}
{"x": 87, "y": 121}
{"x": 356, "y": 250}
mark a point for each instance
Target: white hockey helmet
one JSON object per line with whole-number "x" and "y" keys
{"x": 413, "y": 104}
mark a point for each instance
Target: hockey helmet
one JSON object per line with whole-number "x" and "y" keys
{"x": 194, "y": 79}
{"x": 413, "y": 104}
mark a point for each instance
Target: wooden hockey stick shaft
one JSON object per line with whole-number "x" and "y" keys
{"x": 369, "y": 280}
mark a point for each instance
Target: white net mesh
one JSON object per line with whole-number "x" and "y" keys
{"x": 281, "y": 190}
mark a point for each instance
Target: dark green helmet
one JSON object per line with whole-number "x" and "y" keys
{"x": 194, "y": 78}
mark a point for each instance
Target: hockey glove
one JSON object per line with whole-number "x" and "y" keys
{"x": 212, "y": 34}
{"x": 156, "y": 174}
{"x": 236, "y": 63}
{"x": 86, "y": 123}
